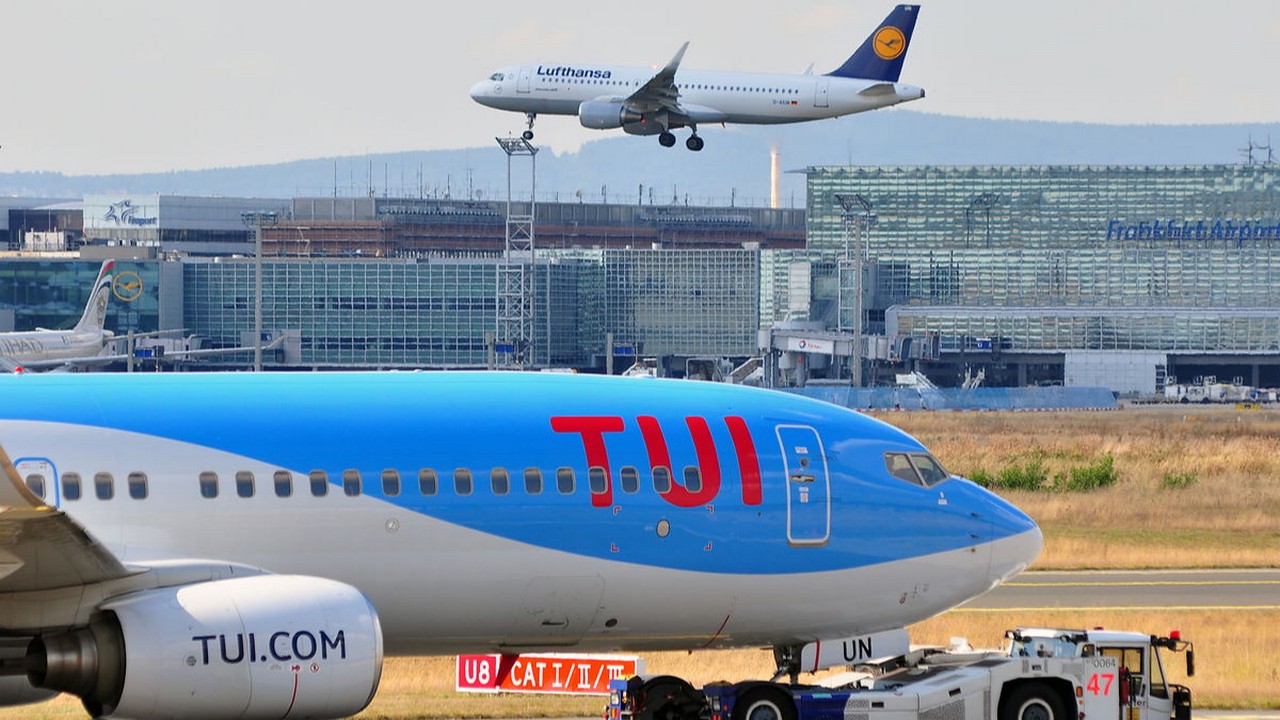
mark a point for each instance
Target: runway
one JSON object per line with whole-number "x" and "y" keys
{"x": 1229, "y": 590}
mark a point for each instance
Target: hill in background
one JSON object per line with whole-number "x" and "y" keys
{"x": 734, "y": 167}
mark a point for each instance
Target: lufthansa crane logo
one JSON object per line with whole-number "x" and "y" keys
{"x": 127, "y": 286}
{"x": 889, "y": 43}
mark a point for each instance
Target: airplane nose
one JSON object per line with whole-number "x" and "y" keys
{"x": 484, "y": 92}
{"x": 1018, "y": 540}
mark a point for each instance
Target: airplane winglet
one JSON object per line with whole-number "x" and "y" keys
{"x": 674, "y": 65}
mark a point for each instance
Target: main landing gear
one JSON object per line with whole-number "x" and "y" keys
{"x": 529, "y": 117}
{"x": 668, "y": 139}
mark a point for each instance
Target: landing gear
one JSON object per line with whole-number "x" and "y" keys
{"x": 666, "y": 138}
{"x": 528, "y": 134}
{"x": 787, "y": 660}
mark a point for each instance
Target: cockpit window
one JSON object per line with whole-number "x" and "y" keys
{"x": 899, "y": 466}
{"x": 916, "y": 468}
{"x": 496, "y": 77}
{"x": 929, "y": 469}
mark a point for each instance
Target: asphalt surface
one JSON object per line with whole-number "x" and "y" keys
{"x": 1232, "y": 590}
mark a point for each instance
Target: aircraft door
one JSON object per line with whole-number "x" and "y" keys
{"x": 523, "y": 79}
{"x": 808, "y": 485}
{"x": 40, "y": 477}
{"x": 820, "y": 92}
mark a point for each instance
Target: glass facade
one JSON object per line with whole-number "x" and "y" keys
{"x": 355, "y": 313}
{"x": 1062, "y": 257}
{"x": 51, "y": 294}
{"x": 682, "y": 302}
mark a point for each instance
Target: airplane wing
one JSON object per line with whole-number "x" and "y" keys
{"x": 660, "y": 92}
{"x": 41, "y": 548}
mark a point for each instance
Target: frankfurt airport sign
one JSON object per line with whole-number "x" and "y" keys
{"x": 1194, "y": 230}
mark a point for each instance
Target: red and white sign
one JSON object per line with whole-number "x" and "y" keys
{"x": 544, "y": 673}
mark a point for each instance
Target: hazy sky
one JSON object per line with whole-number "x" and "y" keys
{"x": 105, "y": 87}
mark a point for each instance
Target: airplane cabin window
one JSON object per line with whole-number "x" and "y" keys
{"x": 597, "y": 480}
{"x": 208, "y": 485}
{"x": 283, "y": 481}
{"x": 499, "y": 481}
{"x": 70, "y": 486}
{"x": 565, "y": 480}
{"x": 428, "y": 484}
{"x": 35, "y": 483}
{"x": 462, "y": 484}
{"x": 319, "y": 483}
{"x": 104, "y": 486}
{"x": 692, "y": 478}
{"x": 244, "y": 484}
{"x": 533, "y": 481}
{"x": 137, "y": 483}
{"x": 930, "y": 470}
{"x": 899, "y": 466}
{"x": 391, "y": 482}
{"x": 351, "y": 485}
{"x": 662, "y": 479}
{"x": 629, "y": 478}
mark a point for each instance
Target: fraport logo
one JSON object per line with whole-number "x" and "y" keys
{"x": 1212, "y": 229}
{"x": 565, "y": 71}
{"x": 126, "y": 213}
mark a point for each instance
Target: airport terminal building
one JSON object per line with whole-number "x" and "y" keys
{"x": 1114, "y": 276}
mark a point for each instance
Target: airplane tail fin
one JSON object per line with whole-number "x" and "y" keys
{"x": 880, "y": 56}
{"x": 95, "y": 311}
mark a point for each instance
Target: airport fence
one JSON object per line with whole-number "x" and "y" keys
{"x": 910, "y": 398}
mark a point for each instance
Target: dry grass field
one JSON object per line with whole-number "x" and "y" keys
{"x": 1227, "y": 461}
{"x": 1197, "y": 487}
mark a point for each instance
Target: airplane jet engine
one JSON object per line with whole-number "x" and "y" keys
{"x": 606, "y": 115}
{"x": 268, "y": 646}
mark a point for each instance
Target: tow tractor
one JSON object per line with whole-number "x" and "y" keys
{"x": 1043, "y": 674}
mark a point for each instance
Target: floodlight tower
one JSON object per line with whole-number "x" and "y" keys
{"x": 514, "y": 337}
{"x": 858, "y": 218}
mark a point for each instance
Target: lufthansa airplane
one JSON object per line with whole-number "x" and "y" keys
{"x": 64, "y": 349}
{"x": 245, "y": 545}
{"x": 641, "y": 102}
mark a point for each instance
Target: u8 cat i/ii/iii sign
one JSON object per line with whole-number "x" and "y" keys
{"x": 560, "y": 674}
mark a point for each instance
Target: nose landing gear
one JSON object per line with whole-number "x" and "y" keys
{"x": 530, "y": 117}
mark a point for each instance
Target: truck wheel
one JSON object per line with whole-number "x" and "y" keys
{"x": 670, "y": 698}
{"x": 764, "y": 703}
{"x": 1032, "y": 702}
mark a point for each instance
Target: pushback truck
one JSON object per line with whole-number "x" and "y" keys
{"x": 1043, "y": 674}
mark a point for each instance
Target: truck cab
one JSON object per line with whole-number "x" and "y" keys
{"x": 1142, "y": 689}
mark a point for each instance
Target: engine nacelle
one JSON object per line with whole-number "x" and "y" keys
{"x": 606, "y": 115}
{"x": 269, "y": 646}
{"x": 17, "y": 690}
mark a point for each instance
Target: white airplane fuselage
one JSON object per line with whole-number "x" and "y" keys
{"x": 643, "y": 101}
{"x": 722, "y": 97}
{"x": 45, "y": 346}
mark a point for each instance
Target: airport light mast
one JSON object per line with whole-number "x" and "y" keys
{"x": 857, "y": 216}
{"x": 514, "y": 343}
